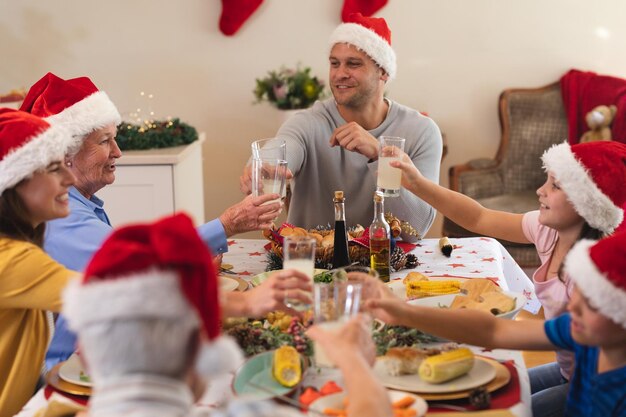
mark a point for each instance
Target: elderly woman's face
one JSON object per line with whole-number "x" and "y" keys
{"x": 94, "y": 164}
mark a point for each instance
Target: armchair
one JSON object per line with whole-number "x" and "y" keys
{"x": 531, "y": 121}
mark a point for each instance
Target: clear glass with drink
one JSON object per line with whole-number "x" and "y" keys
{"x": 269, "y": 177}
{"x": 299, "y": 254}
{"x": 272, "y": 148}
{"x": 333, "y": 304}
{"x": 389, "y": 178}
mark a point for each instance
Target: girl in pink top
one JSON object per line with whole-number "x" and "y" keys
{"x": 583, "y": 197}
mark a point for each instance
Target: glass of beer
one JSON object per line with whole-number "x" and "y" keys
{"x": 389, "y": 178}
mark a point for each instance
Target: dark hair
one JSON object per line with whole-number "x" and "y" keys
{"x": 14, "y": 221}
{"x": 587, "y": 232}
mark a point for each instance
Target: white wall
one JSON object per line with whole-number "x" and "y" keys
{"x": 454, "y": 56}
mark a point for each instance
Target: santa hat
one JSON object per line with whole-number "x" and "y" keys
{"x": 27, "y": 144}
{"x": 599, "y": 271}
{"x": 592, "y": 175}
{"x": 75, "y": 103}
{"x": 151, "y": 271}
{"x": 372, "y": 36}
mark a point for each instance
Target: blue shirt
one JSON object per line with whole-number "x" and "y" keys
{"x": 73, "y": 240}
{"x": 591, "y": 394}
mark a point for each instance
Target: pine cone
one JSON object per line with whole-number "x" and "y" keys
{"x": 398, "y": 259}
{"x": 411, "y": 261}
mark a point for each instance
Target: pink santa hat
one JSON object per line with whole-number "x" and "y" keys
{"x": 27, "y": 144}
{"x": 76, "y": 103}
{"x": 159, "y": 270}
{"x": 372, "y": 36}
{"x": 599, "y": 271}
{"x": 593, "y": 176}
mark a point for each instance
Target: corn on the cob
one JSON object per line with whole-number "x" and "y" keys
{"x": 286, "y": 367}
{"x": 419, "y": 289}
{"x": 446, "y": 366}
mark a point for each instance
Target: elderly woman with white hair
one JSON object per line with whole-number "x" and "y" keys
{"x": 92, "y": 118}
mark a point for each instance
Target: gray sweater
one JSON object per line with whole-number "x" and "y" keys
{"x": 319, "y": 170}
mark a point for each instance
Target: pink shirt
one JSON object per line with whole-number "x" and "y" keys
{"x": 553, "y": 294}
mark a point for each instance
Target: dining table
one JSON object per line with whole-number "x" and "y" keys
{"x": 477, "y": 257}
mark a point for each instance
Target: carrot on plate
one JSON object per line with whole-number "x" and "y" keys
{"x": 404, "y": 402}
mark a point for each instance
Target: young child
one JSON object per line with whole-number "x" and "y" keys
{"x": 581, "y": 198}
{"x": 34, "y": 183}
{"x": 594, "y": 328}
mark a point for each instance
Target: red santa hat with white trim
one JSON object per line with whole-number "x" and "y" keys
{"x": 151, "y": 271}
{"x": 593, "y": 176}
{"x": 372, "y": 36}
{"x": 27, "y": 144}
{"x": 76, "y": 103}
{"x": 599, "y": 271}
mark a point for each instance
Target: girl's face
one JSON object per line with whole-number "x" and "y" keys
{"x": 555, "y": 210}
{"x": 591, "y": 328}
{"x": 45, "y": 193}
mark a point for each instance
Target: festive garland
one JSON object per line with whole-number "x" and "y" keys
{"x": 154, "y": 134}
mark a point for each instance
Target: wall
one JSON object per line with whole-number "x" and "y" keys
{"x": 454, "y": 58}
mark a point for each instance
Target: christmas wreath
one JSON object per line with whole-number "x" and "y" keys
{"x": 154, "y": 134}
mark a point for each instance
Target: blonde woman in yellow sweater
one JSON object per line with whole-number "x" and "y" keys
{"x": 34, "y": 183}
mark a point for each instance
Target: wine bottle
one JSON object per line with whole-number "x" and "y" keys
{"x": 341, "y": 257}
{"x": 380, "y": 239}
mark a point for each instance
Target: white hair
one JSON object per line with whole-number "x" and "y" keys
{"x": 154, "y": 346}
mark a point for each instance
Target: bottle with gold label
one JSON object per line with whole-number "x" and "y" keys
{"x": 380, "y": 245}
{"x": 341, "y": 256}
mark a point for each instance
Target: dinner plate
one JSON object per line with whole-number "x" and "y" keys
{"x": 503, "y": 377}
{"x": 443, "y": 301}
{"x": 482, "y": 373}
{"x": 259, "y": 278}
{"x": 228, "y": 284}
{"x": 335, "y": 401}
{"x": 72, "y": 371}
{"x": 399, "y": 289}
{"x": 53, "y": 379}
{"x": 257, "y": 370}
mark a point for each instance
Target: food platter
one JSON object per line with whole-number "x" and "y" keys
{"x": 336, "y": 401}
{"x": 399, "y": 289}
{"x": 257, "y": 371}
{"x": 482, "y": 373}
{"x": 444, "y": 301}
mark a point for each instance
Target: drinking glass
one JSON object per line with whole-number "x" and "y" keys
{"x": 269, "y": 177}
{"x": 333, "y": 304}
{"x": 389, "y": 178}
{"x": 299, "y": 254}
{"x": 272, "y": 148}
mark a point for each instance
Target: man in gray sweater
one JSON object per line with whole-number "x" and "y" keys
{"x": 334, "y": 145}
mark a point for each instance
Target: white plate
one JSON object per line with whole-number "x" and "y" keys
{"x": 228, "y": 284}
{"x": 336, "y": 401}
{"x": 482, "y": 373}
{"x": 71, "y": 370}
{"x": 399, "y": 289}
{"x": 446, "y": 300}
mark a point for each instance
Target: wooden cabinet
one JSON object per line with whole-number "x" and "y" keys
{"x": 157, "y": 182}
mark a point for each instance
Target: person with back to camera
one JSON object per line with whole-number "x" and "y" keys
{"x": 334, "y": 145}
{"x": 583, "y": 198}
{"x": 92, "y": 118}
{"x": 148, "y": 321}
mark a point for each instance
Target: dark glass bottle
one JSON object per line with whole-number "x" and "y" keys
{"x": 341, "y": 257}
{"x": 380, "y": 239}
